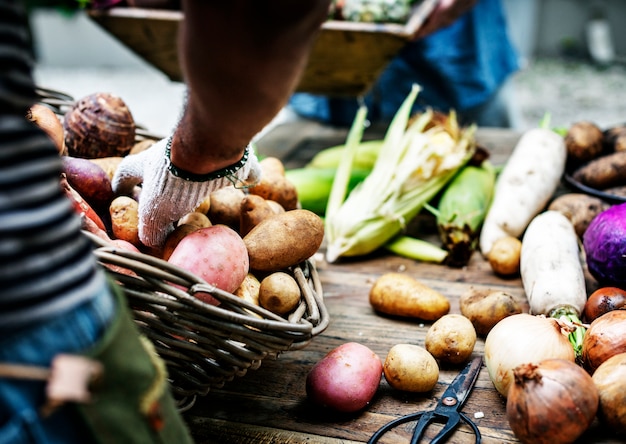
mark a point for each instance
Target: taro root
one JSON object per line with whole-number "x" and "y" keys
{"x": 615, "y": 138}
{"x": 99, "y": 125}
{"x": 584, "y": 141}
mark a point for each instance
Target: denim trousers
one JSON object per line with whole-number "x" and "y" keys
{"x": 21, "y": 400}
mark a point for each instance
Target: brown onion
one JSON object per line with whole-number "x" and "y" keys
{"x": 552, "y": 402}
{"x": 610, "y": 380}
{"x": 602, "y": 301}
{"x": 605, "y": 337}
{"x": 522, "y": 338}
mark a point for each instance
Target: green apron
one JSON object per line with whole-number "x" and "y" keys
{"x": 131, "y": 402}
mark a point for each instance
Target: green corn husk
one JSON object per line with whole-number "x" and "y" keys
{"x": 314, "y": 184}
{"x": 415, "y": 162}
{"x": 364, "y": 157}
{"x": 462, "y": 210}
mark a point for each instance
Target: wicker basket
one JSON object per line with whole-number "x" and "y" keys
{"x": 204, "y": 345}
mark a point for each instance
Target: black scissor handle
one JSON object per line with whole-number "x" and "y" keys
{"x": 417, "y": 433}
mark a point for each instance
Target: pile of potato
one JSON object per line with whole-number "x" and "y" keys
{"x": 240, "y": 241}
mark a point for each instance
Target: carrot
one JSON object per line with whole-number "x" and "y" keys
{"x": 552, "y": 271}
{"x": 527, "y": 182}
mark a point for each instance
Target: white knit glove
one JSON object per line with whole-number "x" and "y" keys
{"x": 169, "y": 193}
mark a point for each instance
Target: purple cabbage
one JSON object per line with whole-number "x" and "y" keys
{"x": 605, "y": 247}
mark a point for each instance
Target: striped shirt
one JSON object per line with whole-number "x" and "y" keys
{"x": 46, "y": 265}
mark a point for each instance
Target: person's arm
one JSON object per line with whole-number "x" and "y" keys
{"x": 445, "y": 13}
{"x": 241, "y": 60}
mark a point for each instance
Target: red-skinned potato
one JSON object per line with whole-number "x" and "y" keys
{"x": 90, "y": 180}
{"x": 217, "y": 254}
{"x": 346, "y": 379}
{"x": 80, "y": 205}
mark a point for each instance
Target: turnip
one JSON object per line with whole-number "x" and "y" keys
{"x": 605, "y": 247}
{"x": 525, "y": 185}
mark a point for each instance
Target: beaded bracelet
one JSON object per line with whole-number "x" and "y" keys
{"x": 228, "y": 171}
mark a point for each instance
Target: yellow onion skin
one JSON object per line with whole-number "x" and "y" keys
{"x": 553, "y": 402}
{"x": 520, "y": 339}
{"x": 605, "y": 337}
{"x": 610, "y": 380}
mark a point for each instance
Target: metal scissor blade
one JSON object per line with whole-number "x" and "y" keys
{"x": 460, "y": 388}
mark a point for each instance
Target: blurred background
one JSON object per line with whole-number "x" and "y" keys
{"x": 573, "y": 64}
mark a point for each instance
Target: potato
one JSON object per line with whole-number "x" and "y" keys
{"x": 278, "y": 208}
{"x": 284, "y": 240}
{"x": 226, "y": 206}
{"x": 124, "y": 213}
{"x": 108, "y": 164}
{"x": 346, "y": 379}
{"x": 485, "y": 308}
{"x": 174, "y": 238}
{"x": 274, "y": 185}
{"x": 411, "y": 368}
{"x": 451, "y": 339}
{"x": 90, "y": 181}
{"x": 400, "y": 295}
{"x": 204, "y": 206}
{"x": 249, "y": 289}
{"x": 254, "y": 209}
{"x": 195, "y": 218}
{"x": 603, "y": 172}
{"x": 579, "y": 208}
{"x": 217, "y": 254}
{"x": 584, "y": 141}
{"x": 142, "y": 145}
{"x": 504, "y": 256}
{"x": 279, "y": 293}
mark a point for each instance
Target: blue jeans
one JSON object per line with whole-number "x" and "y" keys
{"x": 20, "y": 400}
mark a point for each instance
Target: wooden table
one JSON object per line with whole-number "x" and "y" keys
{"x": 269, "y": 405}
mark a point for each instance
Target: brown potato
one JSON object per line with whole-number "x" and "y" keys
{"x": 504, "y": 256}
{"x": 124, "y": 213}
{"x": 411, "y": 368}
{"x": 276, "y": 207}
{"x": 284, "y": 240}
{"x": 275, "y": 186}
{"x": 279, "y": 293}
{"x": 108, "y": 164}
{"x": 175, "y": 237}
{"x": 400, "y": 295}
{"x": 196, "y": 218}
{"x": 254, "y": 209}
{"x": 584, "y": 141}
{"x": 603, "y": 172}
{"x": 249, "y": 289}
{"x": 142, "y": 145}
{"x": 204, "y": 206}
{"x": 451, "y": 339}
{"x": 579, "y": 208}
{"x": 485, "y": 308}
{"x": 226, "y": 206}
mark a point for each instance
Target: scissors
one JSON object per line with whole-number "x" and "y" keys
{"x": 448, "y": 410}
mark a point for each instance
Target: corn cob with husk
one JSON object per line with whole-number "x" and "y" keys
{"x": 415, "y": 162}
{"x": 462, "y": 210}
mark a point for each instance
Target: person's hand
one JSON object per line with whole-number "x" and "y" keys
{"x": 445, "y": 13}
{"x": 168, "y": 193}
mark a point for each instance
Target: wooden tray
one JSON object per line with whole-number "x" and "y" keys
{"x": 346, "y": 59}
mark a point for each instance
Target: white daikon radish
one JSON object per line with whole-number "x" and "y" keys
{"x": 551, "y": 269}
{"x": 525, "y": 185}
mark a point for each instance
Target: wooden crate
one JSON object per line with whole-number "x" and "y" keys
{"x": 346, "y": 59}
